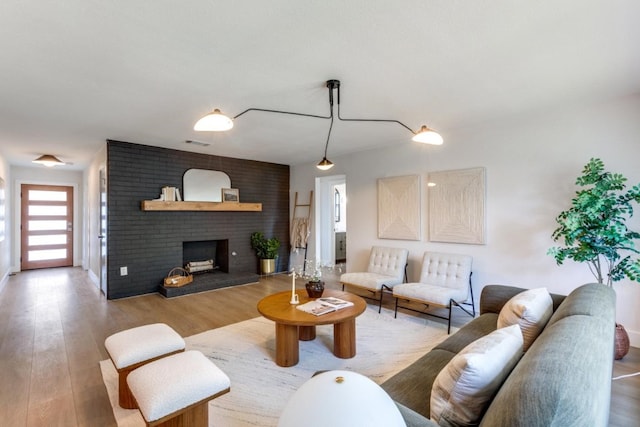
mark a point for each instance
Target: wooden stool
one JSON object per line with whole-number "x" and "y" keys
{"x": 176, "y": 390}
{"x": 135, "y": 347}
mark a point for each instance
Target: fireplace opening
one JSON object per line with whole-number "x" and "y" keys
{"x": 221, "y": 277}
{"x": 203, "y": 250}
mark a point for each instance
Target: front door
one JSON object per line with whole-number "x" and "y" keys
{"x": 46, "y": 226}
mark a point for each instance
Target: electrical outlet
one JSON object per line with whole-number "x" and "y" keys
{"x": 123, "y": 271}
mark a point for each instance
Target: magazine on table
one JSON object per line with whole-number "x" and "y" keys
{"x": 324, "y": 305}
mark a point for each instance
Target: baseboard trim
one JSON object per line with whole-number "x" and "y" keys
{"x": 5, "y": 279}
{"x": 95, "y": 279}
{"x": 634, "y": 338}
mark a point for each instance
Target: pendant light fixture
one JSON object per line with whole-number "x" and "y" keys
{"x": 216, "y": 121}
{"x": 325, "y": 164}
{"x": 427, "y": 136}
{"x": 48, "y": 160}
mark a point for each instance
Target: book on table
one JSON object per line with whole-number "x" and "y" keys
{"x": 321, "y": 306}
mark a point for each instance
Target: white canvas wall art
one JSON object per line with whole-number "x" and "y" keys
{"x": 399, "y": 207}
{"x": 457, "y": 206}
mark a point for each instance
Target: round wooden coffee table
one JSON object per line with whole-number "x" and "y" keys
{"x": 293, "y": 324}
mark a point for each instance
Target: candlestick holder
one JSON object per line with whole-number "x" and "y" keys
{"x": 294, "y": 297}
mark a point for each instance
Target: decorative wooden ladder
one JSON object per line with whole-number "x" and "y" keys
{"x": 309, "y": 207}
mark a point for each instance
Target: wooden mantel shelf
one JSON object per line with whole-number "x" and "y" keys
{"x": 153, "y": 205}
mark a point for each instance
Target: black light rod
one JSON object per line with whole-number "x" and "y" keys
{"x": 335, "y": 84}
{"x": 374, "y": 120}
{"x": 281, "y": 112}
{"x": 332, "y": 85}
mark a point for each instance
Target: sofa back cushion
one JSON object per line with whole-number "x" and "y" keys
{"x": 494, "y": 297}
{"x": 589, "y": 301}
{"x": 463, "y": 389}
{"x": 564, "y": 379}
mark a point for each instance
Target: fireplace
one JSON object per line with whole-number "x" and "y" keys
{"x": 220, "y": 277}
{"x": 216, "y": 250}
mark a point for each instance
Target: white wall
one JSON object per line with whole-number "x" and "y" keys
{"x": 92, "y": 214}
{"x": 46, "y": 176}
{"x": 531, "y": 162}
{"x": 5, "y": 244}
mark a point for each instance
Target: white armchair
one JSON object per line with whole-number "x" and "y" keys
{"x": 387, "y": 268}
{"x": 445, "y": 281}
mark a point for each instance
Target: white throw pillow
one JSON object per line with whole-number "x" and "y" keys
{"x": 531, "y": 310}
{"x": 464, "y": 388}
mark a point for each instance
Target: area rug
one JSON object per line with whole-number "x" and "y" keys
{"x": 260, "y": 389}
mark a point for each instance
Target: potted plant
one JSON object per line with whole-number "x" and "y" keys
{"x": 266, "y": 250}
{"x": 313, "y": 273}
{"x": 594, "y": 230}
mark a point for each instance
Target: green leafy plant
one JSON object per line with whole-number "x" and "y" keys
{"x": 265, "y": 248}
{"x": 313, "y": 271}
{"x": 594, "y": 229}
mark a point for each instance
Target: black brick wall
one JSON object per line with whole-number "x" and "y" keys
{"x": 150, "y": 243}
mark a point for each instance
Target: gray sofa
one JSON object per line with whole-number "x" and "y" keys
{"x": 563, "y": 380}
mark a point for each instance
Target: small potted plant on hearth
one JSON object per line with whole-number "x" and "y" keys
{"x": 266, "y": 250}
{"x": 594, "y": 231}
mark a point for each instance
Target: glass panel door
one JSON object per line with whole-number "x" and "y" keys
{"x": 46, "y": 226}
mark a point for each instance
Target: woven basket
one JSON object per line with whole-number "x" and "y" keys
{"x": 177, "y": 277}
{"x": 622, "y": 342}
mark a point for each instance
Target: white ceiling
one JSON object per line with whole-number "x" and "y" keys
{"x": 74, "y": 73}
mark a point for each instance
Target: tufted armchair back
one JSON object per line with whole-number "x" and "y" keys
{"x": 446, "y": 270}
{"x": 388, "y": 261}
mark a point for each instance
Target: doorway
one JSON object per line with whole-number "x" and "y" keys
{"x": 340, "y": 222}
{"x": 102, "y": 237}
{"x": 46, "y": 227}
{"x": 331, "y": 224}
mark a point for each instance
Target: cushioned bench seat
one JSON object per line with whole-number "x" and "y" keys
{"x": 132, "y": 348}
{"x": 175, "y": 390}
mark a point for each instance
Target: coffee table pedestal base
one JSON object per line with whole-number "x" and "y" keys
{"x": 286, "y": 345}
{"x": 293, "y": 325}
{"x": 344, "y": 339}
{"x": 307, "y": 333}
{"x": 287, "y": 336}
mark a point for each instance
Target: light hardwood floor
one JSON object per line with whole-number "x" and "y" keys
{"x": 54, "y": 323}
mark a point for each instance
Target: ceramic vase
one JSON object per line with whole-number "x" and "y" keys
{"x": 622, "y": 342}
{"x": 314, "y": 289}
